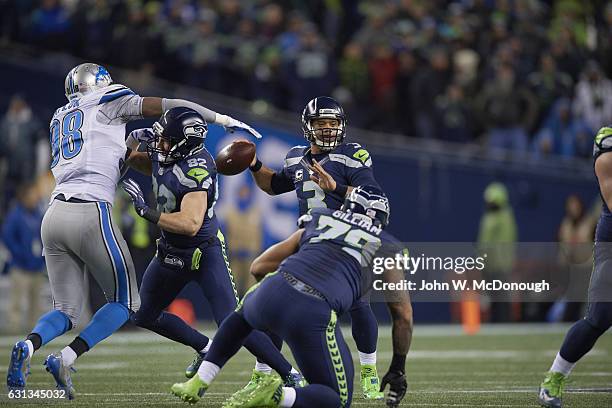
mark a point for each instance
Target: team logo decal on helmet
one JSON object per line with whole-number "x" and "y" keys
{"x": 179, "y": 133}
{"x": 86, "y": 78}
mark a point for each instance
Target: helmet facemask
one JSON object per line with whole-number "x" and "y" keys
{"x": 326, "y": 132}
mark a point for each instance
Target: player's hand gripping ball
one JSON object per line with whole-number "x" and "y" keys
{"x": 235, "y": 157}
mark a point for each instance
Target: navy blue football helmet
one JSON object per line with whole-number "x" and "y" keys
{"x": 324, "y": 107}
{"x": 181, "y": 131}
{"x": 370, "y": 201}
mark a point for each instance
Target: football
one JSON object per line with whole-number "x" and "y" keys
{"x": 235, "y": 157}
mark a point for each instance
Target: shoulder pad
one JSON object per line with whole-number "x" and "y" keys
{"x": 294, "y": 155}
{"x": 603, "y": 141}
{"x": 351, "y": 155}
{"x": 113, "y": 92}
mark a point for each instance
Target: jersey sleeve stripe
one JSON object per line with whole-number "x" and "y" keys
{"x": 115, "y": 95}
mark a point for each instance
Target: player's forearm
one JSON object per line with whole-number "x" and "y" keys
{"x": 180, "y": 223}
{"x": 402, "y": 329}
{"x": 140, "y": 162}
{"x": 263, "y": 179}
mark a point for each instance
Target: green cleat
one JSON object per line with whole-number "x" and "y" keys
{"x": 268, "y": 394}
{"x": 370, "y": 384}
{"x": 190, "y": 391}
{"x": 552, "y": 389}
{"x": 241, "y": 395}
{"x": 192, "y": 368}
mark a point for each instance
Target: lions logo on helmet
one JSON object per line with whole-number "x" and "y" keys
{"x": 319, "y": 132}
{"x": 86, "y": 78}
{"x": 179, "y": 132}
{"x": 369, "y": 201}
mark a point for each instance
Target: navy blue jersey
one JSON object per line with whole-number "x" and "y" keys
{"x": 170, "y": 184}
{"x": 349, "y": 164}
{"x": 333, "y": 247}
{"x": 603, "y": 144}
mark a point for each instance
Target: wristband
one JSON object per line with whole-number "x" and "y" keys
{"x": 398, "y": 363}
{"x": 151, "y": 215}
{"x": 256, "y": 167}
{"x": 341, "y": 189}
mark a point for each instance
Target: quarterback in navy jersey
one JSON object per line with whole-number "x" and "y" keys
{"x": 191, "y": 247}
{"x": 322, "y": 174}
{"x": 318, "y": 271}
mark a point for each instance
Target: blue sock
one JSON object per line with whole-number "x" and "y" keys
{"x": 52, "y": 325}
{"x": 107, "y": 320}
{"x": 316, "y": 395}
{"x": 364, "y": 327}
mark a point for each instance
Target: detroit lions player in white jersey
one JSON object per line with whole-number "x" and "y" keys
{"x": 88, "y": 151}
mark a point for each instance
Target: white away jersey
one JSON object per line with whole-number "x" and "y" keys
{"x": 88, "y": 142}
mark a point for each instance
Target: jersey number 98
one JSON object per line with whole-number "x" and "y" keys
{"x": 66, "y": 136}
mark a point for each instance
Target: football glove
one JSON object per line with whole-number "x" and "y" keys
{"x": 234, "y": 124}
{"x": 140, "y": 205}
{"x": 397, "y": 387}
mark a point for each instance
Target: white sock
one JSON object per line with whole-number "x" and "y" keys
{"x": 367, "y": 358}
{"x": 263, "y": 368}
{"x": 68, "y": 356}
{"x": 288, "y": 397}
{"x": 561, "y": 365}
{"x": 30, "y": 348}
{"x": 205, "y": 349}
{"x": 208, "y": 371}
{"x": 294, "y": 371}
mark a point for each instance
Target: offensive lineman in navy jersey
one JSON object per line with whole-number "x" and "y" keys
{"x": 318, "y": 277}
{"x": 191, "y": 247}
{"x": 581, "y": 338}
{"x": 322, "y": 174}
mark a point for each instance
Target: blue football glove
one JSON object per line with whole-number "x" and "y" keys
{"x": 140, "y": 205}
{"x": 238, "y": 125}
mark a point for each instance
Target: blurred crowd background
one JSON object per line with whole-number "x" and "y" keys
{"x": 522, "y": 79}
{"x": 526, "y": 75}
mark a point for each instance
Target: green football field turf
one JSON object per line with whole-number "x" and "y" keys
{"x": 500, "y": 367}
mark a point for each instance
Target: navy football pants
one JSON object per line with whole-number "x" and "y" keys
{"x": 162, "y": 283}
{"x": 308, "y": 325}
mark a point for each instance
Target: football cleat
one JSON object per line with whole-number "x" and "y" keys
{"x": 192, "y": 368}
{"x": 61, "y": 374}
{"x": 190, "y": 391}
{"x": 267, "y": 393}
{"x": 370, "y": 384}
{"x": 243, "y": 394}
{"x": 294, "y": 380}
{"x": 19, "y": 366}
{"x": 551, "y": 390}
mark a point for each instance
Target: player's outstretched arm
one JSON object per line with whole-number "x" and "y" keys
{"x": 153, "y": 106}
{"x": 189, "y": 219}
{"x": 272, "y": 257}
{"x": 401, "y": 314}
{"x": 268, "y": 180}
{"x": 603, "y": 170}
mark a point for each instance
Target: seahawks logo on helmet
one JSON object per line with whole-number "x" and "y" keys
{"x": 195, "y": 131}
